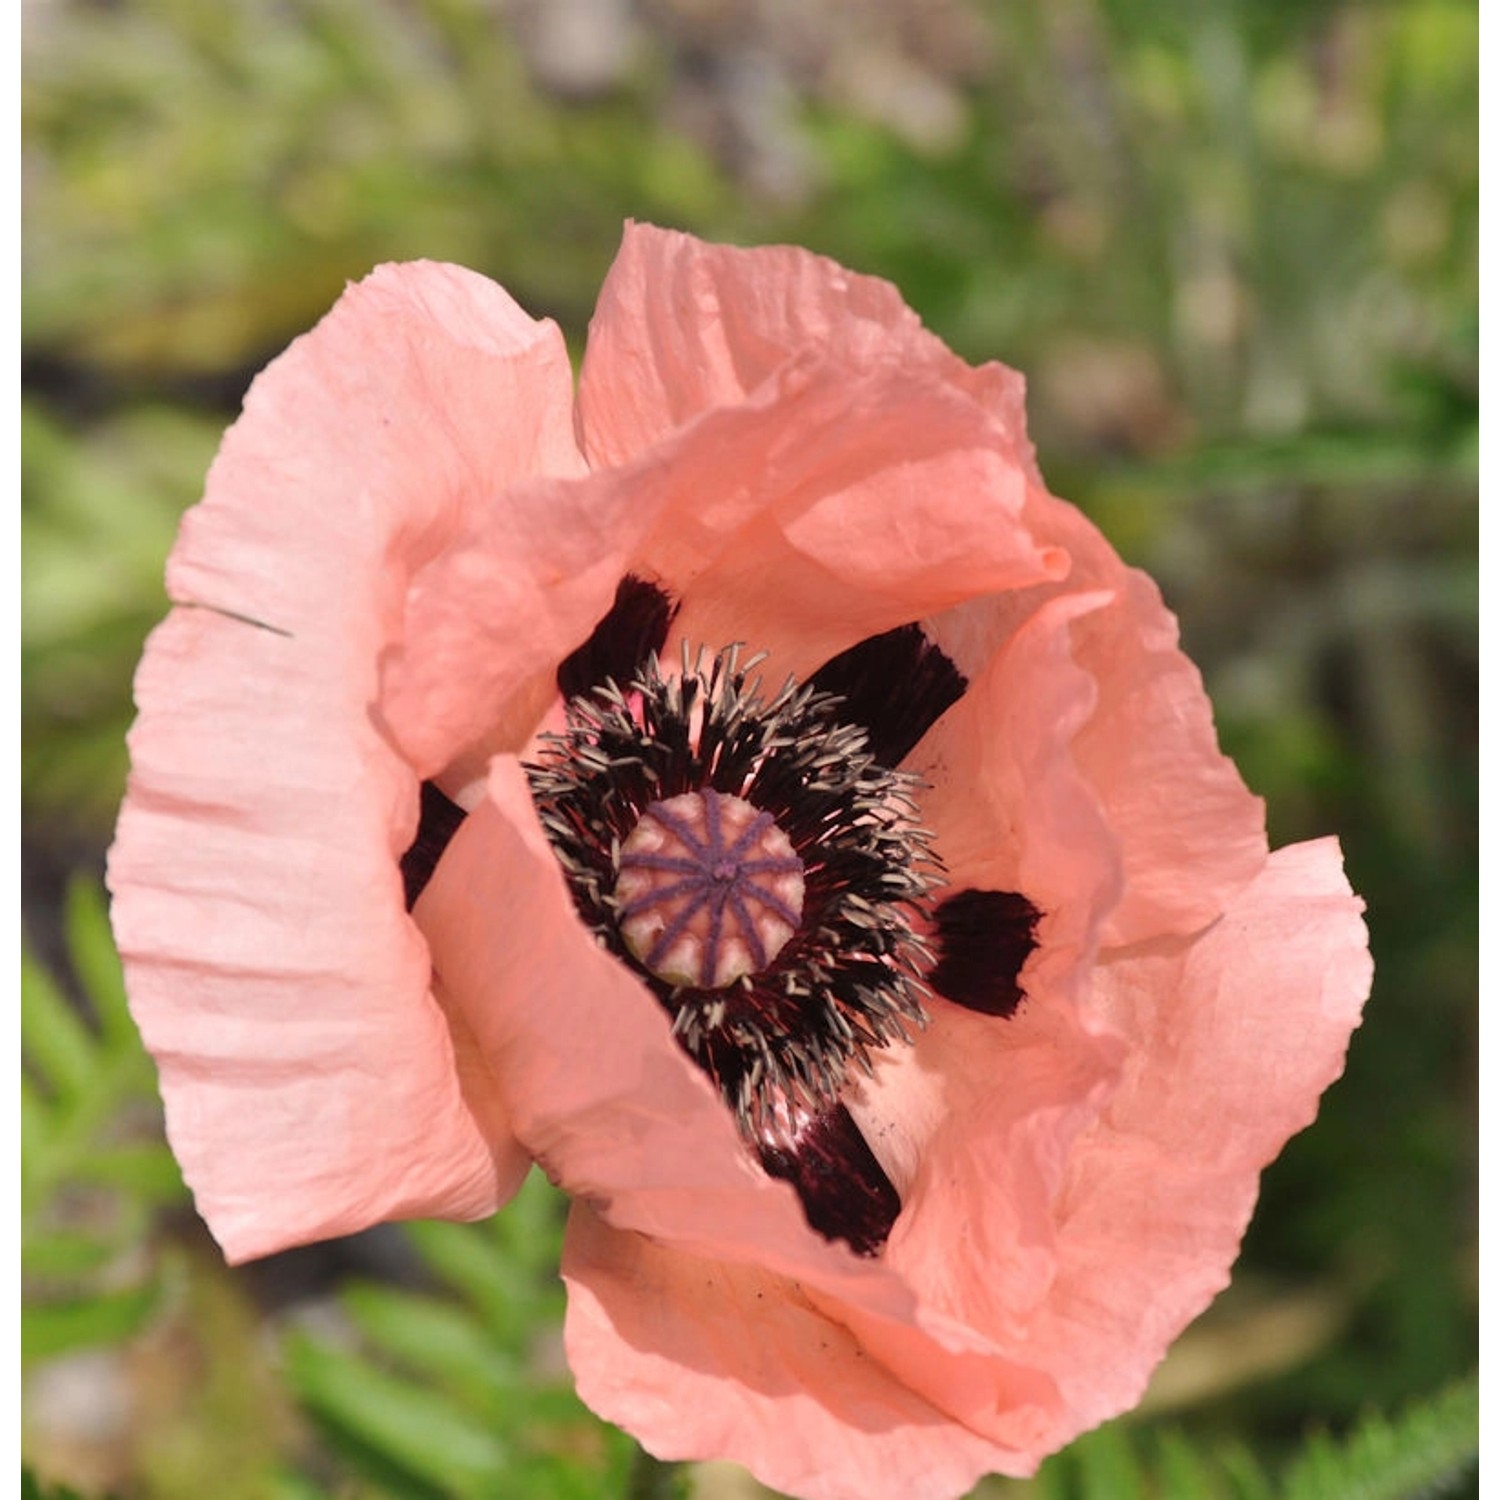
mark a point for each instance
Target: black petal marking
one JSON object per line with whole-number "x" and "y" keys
{"x": 436, "y": 824}
{"x": 635, "y": 627}
{"x": 896, "y": 685}
{"x": 844, "y": 1190}
{"x": 982, "y": 939}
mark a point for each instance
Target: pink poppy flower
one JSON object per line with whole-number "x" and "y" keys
{"x": 909, "y": 1015}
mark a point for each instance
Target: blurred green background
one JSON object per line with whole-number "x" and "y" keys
{"x": 1232, "y": 244}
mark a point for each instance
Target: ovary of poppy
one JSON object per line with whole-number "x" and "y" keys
{"x": 1106, "y": 1007}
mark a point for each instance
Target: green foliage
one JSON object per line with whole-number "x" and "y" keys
{"x": 33, "y": 1489}
{"x": 461, "y": 1391}
{"x": 1427, "y": 1451}
{"x": 99, "y": 508}
{"x": 294, "y": 147}
{"x": 94, "y": 1169}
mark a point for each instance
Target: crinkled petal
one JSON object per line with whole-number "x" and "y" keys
{"x": 683, "y": 327}
{"x": 583, "y": 1054}
{"x": 974, "y": 1120}
{"x": 1008, "y": 811}
{"x": 1191, "y": 835}
{"x": 617, "y": 1114}
{"x": 700, "y": 1358}
{"x": 1233, "y": 1037}
{"x": 488, "y": 621}
{"x": 842, "y": 483}
{"x": 310, "y": 1083}
{"x": 867, "y": 501}
{"x": 308, "y": 1078}
{"x": 1007, "y": 805}
{"x": 370, "y": 443}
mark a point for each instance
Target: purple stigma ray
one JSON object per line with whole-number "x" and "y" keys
{"x": 682, "y": 828}
{"x": 719, "y": 876}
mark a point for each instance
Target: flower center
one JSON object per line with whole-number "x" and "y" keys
{"x": 756, "y": 864}
{"x": 709, "y": 891}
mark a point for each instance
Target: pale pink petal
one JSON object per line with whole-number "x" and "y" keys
{"x": 308, "y": 1077}
{"x": 310, "y": 1081}
{"x": 1008, "y": 806}
{"x": 1233, "y": 1037}
{"x": 1190, "y": 835}
{"x": 616, "y": 1113}
{"x": 683, "y": 327}
{"x": 488, "y": 620}
{"x": 701, "y": 1359}
{"x": 370, "y": 443}
{"x": 598, "y": 1090}
{"x": 973, "y": 1122}
{"x": 871, "y": 499}
{"x": 842, "y": 483}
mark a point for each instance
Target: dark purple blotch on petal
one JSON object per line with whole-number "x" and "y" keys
{"x": 635, "y": 626}
{"x": 982, "y": 939}
{"x": 437, "y": 822}
{"x": 844, "y": 1191}
{"x": 896, "y": 686}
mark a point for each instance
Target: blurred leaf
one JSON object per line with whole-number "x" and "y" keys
{"x": 33, "y": 1488}
{"x": 98, "y": 514}
{"x": 1425, "y": 1452}
{"x": 416, "y": 1431}
{"x": 1371, "y": 458}
{"x": 51, "y": 1328}
{"x": 89, "y": 1177}
{"x": 434, "y": 1337}
{"x": 482, "y": 1360}
{"x": 1428, "y": 1450}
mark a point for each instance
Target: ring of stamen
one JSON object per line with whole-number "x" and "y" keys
{"x": 848, "y": 980}
{"x": 709, "y": 890}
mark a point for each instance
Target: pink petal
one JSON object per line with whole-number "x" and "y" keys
{"x": 1190, "y": 835}
{"x": 370, "y": 443}
{"x": 843, "y": 482}
{"x": 870, "y": 500}
{"x": 1233, "y": 1037}
{"x": 616, "y": 1113}
{"x": 308, "y": 1077}
{"x": 1009, "y": 808}
{"x": 683, "y": 328}
{"x": 974, "y": 1121}
{"x": 701, "y": 1358}
{"x": 599, "y": 1092}
{"x": 490, "y": 618}
{"x": 311, "y": 1084}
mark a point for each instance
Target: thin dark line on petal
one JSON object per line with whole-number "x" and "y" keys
{"x": 437, "y": 822}
{"x": 234, "y": 614}
{"x": 896, "y": 685}
{"x": 635, "y": 626}
{"x": 982, "y": 940}
{"x": 844, "y": 1191}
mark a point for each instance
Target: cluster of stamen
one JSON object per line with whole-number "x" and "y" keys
{"x": 756, "y": 864}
